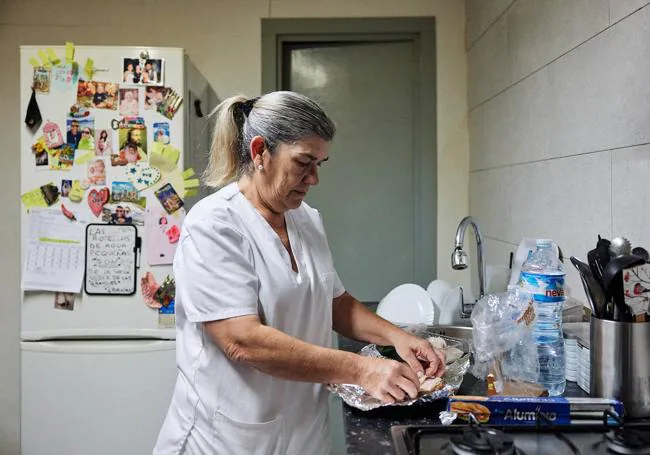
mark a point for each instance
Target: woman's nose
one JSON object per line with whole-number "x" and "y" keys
{"x": 312, "y": 176}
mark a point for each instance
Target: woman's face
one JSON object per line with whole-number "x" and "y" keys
{"x": 291, "y": 171}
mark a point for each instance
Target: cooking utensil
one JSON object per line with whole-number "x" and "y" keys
{"x": 613, "y": 286}
{"x": 620, "y": 246}
{"x": 593, "y": 289}
{"x": 641, "y": 252}
{"x": 598, "y": 259}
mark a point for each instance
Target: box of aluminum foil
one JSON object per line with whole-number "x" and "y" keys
{"x": 500, "y": 410}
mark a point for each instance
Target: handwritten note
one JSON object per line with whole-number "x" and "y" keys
{"x": 111, "y": 259}
{"x": 55, "y": 252}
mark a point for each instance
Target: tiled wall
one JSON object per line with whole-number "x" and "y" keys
{"x": 559, "y": 115}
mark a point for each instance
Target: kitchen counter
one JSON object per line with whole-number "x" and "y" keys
{"x": 368, "y": 433}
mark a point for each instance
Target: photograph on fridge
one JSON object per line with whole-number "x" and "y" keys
{"x": 161, "y": 132}
{"x": 40, "y": 151}
{"x": 153, "y": 97}
{"x": 132, "y": 142}
{"x": 41, "y": 81}
{"x": 169, "y": 198}
{"x": 103, "y": 143}
{"x": 97, "y": 172}
{"x": 96, "y": 94}
{"x": 123, "y": 213}
{"x": 129, "y": 101}
{"x": 80, "y": 132}
{"x": 144, "y": 72}
{"x": 66, "y": 186}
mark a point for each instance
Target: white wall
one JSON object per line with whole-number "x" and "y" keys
{"x": 559, "y": 112}
{"x": 222, "y": 38}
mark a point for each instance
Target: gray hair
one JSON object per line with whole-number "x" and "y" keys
{"x": 278, "y": 117}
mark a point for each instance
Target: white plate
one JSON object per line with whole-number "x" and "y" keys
{"x": 407, "y": 304}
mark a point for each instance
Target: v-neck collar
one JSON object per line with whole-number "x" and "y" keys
{"x": 274, "y": 238}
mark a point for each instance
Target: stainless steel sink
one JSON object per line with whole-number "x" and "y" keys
{"x": 453, "y": 331}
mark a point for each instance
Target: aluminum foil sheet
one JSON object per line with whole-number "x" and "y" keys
{"x": 357, "y": 397}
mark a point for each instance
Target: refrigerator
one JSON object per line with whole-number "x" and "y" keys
{"x": 97, "y": 375}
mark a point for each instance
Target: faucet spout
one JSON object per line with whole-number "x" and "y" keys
{"x": 459, "y": 256}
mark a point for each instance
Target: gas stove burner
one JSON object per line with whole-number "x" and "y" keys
{"x": 478, "y": 441}
{"x": 625, "y": 441}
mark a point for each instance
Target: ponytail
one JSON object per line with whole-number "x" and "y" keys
{"x": 278, "y": 117}
{"x": 224, "y": 160}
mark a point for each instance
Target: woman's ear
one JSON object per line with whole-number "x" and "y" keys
{"x": 257, "y": 147}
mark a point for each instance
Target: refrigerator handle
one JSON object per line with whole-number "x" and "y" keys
{"x": 138, "y": 251}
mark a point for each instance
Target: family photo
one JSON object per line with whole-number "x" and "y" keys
{"x": 143, "y": 72}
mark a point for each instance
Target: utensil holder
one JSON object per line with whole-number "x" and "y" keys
{"x": 620, "y": 364}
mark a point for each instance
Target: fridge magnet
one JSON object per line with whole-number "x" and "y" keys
{"x": 142, "y": 176}
{"x": 67, "y": 213}
{"x": 134, "y": 136}
{"x": 76, "y": 192}
{"x": 41, "y": 79}
{"x": 129, "y": 100}
{"x": 40, "y": 153}
{"x": 33, "y": 117}
{"x": 153, "y": 96}
{"x": 52, "y": 134}
{"x": 103, "y": 143}
{"x": 162, "y": 234}
{"x": 169, "y": 198}
{"x": 97, "y": 199}
{"x": 148, "y": 288}
{"x": 50, "y": 193}
{"x": 62, "y": 158}
{"x": 66, "y": 186}
{"x": 97, "y": 172}
{"x": 98, "y": 95}
{"x": 170, "y": 104}
{"x": 64, "y": 301}
{"x": 126, "y": 192}
{"x": 77, "y": 111}
{"x": 143, "y": 71}
{"x": 123, "y": 213}
{"x": 166, "y": 292}
{"x": 161, "y": 132}
{"x": 167, "y": 316}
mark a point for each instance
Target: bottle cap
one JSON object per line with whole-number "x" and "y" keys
{"x": 544, "y": 242}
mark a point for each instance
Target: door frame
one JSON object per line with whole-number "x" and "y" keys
{"x": 421, "y": 32}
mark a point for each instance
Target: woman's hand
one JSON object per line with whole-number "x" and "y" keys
{"x": 388, "y": 380}
{"x": 419, "y": 354}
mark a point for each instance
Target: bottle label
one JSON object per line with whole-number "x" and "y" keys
{"x": 543, "y": 288}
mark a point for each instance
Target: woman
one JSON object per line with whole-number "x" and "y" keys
{"x": 103, "y": 144}
{"x": 257, "y": 296}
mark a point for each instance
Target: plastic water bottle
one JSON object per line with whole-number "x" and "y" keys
{"x": 542, "y": 276}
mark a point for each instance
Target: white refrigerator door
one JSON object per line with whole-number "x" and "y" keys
{"x": 100, "y": 398}
{"x": 95, "y": 316}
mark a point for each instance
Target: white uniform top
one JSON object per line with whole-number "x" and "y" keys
{"x": 229, "y": 263}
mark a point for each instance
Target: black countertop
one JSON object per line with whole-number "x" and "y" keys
{"x": 368, "y": 433}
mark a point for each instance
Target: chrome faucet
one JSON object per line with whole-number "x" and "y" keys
{"x": 459, "y": 261}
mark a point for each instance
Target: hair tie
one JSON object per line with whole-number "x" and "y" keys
{"x": 247, "y": 106}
